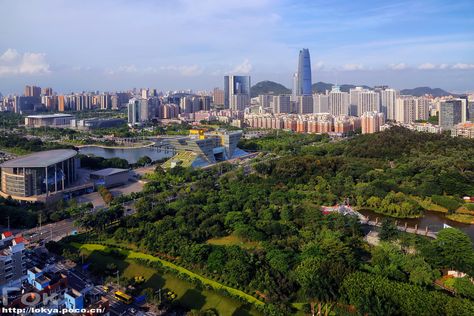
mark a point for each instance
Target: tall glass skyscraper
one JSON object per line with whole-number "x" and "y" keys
{"x": 236, "y": 91}
{"x": 303, "y": 83}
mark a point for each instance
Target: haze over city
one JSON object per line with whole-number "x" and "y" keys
{"x": 173, "y": 45}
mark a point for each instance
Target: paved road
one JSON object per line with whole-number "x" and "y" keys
{"x": 53, "y": 231}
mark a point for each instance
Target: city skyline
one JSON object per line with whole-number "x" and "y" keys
{"x": 176, "y": 46}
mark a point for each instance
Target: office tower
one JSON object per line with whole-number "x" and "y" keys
{"x": 134, "y": 111}
{"x": 218, "y": 97}
{"x": 321, "y": 103}
{"x": 305, "y": 104}
{"x": 205, "y": 103}
{"x": 371, "y": 122}
{"x": 303, "y": 77}
{"x": 388, "y": 99}
{"x": 470, "y": 111}
{"x": 196, "y": 104}
{"x": 185, "y": 105}
{"x": 236, "y": 92}
{"x": 281, "y": 103}
{"x": 409, "y": 109}
{"x": 145, "y": 93}
{"x": 367, "y": 101}
{"x": 32, "y": 91}
{"x": 450, "y": 113}
{"x": 338, "y": 102}
{"x": 294, "y": 92}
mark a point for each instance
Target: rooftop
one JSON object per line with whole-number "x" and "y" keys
{"x": 108, "y": 172}
{"x": 40, "y": 159}
{"x": 44, "y": 116}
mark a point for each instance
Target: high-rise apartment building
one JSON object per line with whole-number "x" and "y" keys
{"x": 450, "y": 113}
{"x": 303, "y": 82}
{"x": 32, "y": 91}
{"x": 140, "y": 110}
{"x": 12, "y": 258}
{"x": 236, "y": 92}
{"x": 354, "y": 100}
{"x": 368, "y": 101}
{"x": 409, "y": 109}
{"x": 218, "y": 97}
{"x": 321, "y": 103}
{"x": 282, "y": 103}
{"x": 265, "y": 100}
{"x": 388, "y": 99}
{"x": 371, "y": 122}
{"x": 338, "y": 102}
{"x": 305, "y": 104}
{"x": 105, "y": 102}
{"x": 47, "y": 91}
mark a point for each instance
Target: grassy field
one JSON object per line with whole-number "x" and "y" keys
{"x": 233, "y": 240}
{"x": 462, "y": 218}
{"x": 430, "y": 206}
{"x": 187, "y": 293}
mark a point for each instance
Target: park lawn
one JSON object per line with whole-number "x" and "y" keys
{"x": 232, "y": 240}
{"x": 462, "y": 218}
{"x": 187, "y": 293}
{"x": 429, "y": 206}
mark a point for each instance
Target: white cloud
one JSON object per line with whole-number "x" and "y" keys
{"x": 14, "y": 63}
{"x": 351, "y": 67}
{"x": 463, "y": 66}
{"x": 244, "y": 68}
{"x": 399, "y": 66}
{"x": 443, "y": 66}
{"x": 318, "y": 66}
{"x": 185, "y": 70}
{"x": 427, "y": 66}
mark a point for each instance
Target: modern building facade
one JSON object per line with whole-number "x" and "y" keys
{"x": 236, "y": 92}
{"x": 371, "y": 122}
{"x": 303, "y": 81}
{"x": 450, "y": 113}
{"x": 49, "y": 120}
{"x": 282, "y": 103}
{"x": 39, "y": 174}
{"x": 209, "y": 147}
{"x": 338, "y": 102}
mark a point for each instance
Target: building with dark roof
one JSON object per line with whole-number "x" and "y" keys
{"x": 37, "y": 176}
{"x": 110, "y": 177}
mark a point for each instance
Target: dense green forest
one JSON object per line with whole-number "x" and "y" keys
{"x": 263, "y": 231}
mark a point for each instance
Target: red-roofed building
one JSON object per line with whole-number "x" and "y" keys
{"x": 6, "y": 235}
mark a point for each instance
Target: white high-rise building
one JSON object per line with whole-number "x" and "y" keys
{"x": 368, "y": 101}
{"x": 409, "y": 109}
{"x": 338, "y": 102}
{"x": 388, "y": 99}
{"x": 321, "y": 103}
{"x": 354, "y": 99}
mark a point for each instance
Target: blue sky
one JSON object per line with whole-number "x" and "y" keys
{"x": 191, "y": 44}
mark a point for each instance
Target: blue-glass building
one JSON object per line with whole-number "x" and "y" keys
{"x": 303, "y": 78}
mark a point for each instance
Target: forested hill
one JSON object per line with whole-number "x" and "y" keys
{"x": 268, "y": 87}
{"x": 398, "y": 142}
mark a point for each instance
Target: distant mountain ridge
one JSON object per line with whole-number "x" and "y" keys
{"x": 271, "y": 87}
{"x": 268, "y": 87}
{"x": 420, "y": 91}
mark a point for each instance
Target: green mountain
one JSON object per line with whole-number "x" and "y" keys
{"x": 420, "y": 91}
{"x": 268, "y": 87}
{"x": 321, "y": 87}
